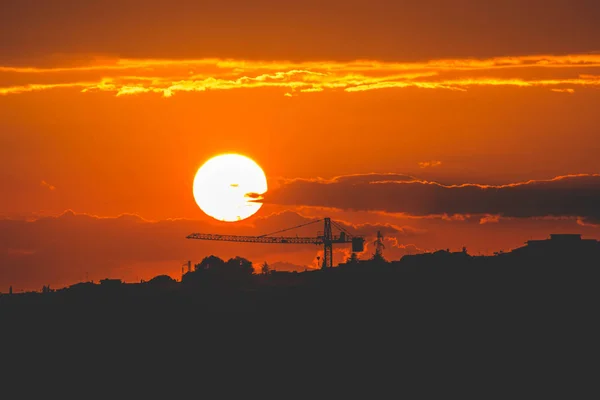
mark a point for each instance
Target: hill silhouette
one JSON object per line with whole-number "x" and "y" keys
{"x": 542, "y": 277}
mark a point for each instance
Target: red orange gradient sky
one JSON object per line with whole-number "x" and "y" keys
{"x": 441, "y": 123}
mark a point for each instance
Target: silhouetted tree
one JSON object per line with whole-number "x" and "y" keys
{"x": 210, "y": 263}
{"x": 161, "y": 280}
{"x": 353, "y": 259}
{"x": 378, "y": 258}
{"x": 213, "y": 267}
{"x": 265, "y": 269}
{"x": 239, "y": 265}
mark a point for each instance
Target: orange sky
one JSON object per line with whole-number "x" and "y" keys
{"x": 108, "y": 108}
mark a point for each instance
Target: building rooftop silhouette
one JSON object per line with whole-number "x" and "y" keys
{"x": 563, "y": 243}
{"x": 562, "y": 239}
{"x": 557, "y": 245}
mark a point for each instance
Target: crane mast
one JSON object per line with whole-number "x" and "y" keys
{"x": 327, "y": 244}
{"x": 326, "y": 238}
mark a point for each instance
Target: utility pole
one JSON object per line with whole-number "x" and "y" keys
{"x": 188, "y": 263}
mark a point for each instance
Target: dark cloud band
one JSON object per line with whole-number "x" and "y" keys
{"x": 568, "y": 196}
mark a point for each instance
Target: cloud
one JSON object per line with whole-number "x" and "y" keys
{"x": 568, "y": 90}
{"x": 36, "y": 87}
{"x": 388, "y": 30}
{"x": 64, "y": 249}
{"x": 429, "y": 164}
{"x": 591, "y": 222}
{"x": 49, "y": 186}
{"x": 568, "y": 196}
{"x": 489, "y": 219}
{"x": 127, "y": 77}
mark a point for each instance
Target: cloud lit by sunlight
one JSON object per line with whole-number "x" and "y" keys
{"x": 167, "y": 77}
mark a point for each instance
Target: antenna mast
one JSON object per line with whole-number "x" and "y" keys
{"x": 379, "y": 246}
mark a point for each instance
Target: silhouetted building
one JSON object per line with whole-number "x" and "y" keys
{"x": 111, "y": 282}
{"x": 558, "y": 244}
{"x": 80, "y": 287}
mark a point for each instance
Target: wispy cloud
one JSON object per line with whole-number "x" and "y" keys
{"x": 489, "y": 219}
{"x": 167, "y": 77}
{"x": 568, "y": 90}
{"x": 429, "y": 164}
{"x": 47, "y": 185}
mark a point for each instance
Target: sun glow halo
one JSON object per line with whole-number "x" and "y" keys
{"x": 222, "y": 183}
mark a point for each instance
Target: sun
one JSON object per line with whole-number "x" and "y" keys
{"x": 222, "y": 184}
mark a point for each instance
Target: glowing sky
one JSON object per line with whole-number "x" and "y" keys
{"x": 441, "y": 123}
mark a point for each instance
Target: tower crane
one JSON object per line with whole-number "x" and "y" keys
{"x": 326, "y": 238}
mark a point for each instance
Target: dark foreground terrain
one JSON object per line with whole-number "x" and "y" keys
{"x": 444, "y": 322}
{"x": 445, "y": 283}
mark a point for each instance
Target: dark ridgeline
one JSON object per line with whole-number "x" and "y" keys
{"x": 542, "y": 278}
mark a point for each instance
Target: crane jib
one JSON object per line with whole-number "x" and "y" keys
{"x": 256, "y": 239}
{"x": 325, "y": 238}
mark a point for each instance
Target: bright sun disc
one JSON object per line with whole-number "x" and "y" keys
{"x": 222, "y": 183}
